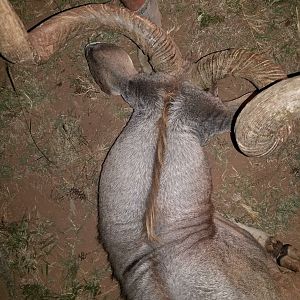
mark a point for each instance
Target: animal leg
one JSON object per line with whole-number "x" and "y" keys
{"x": 286, "y": 255}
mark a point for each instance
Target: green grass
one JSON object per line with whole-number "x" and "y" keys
{"x": 265, "y": 202}
{"x": 271, "y": 214}
{"x": 88, "y": 289}
{"x": 27, "y": 250}
{"x": 205, "y": 19}
{"x": 91, "y": 287}
{"x": 287, "y": 208}
{"x": 9, "y": 106}
{"x": 25, "y": 242}
{"x": 21, "y": 8}
{"x": 29, "y": 93}
{"x": 6, "y": 171}
{"x": 36, "y": 291}
{"x": 25, "y": 247}
{"x": 288, "y": 49}
{"x": 18, "y": 4}
{"x": 67, "y": 139}
{"x": 275, "y": 215}
{"x": 281, "y": 2}
{"x": 234, "y": 5}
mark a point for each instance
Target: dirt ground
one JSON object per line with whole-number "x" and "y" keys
{"x": 57, "y": 126}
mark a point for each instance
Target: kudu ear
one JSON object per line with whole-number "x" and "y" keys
{"x": 110, "y": 66}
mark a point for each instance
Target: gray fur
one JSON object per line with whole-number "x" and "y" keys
{"x": 199, "y": 255}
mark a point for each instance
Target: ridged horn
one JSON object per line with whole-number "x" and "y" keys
{"x": 242, "y": 63}
{"x": 14, "y": 42}
{"x": 267, "y": 119}
{"x": 54, "y": 33}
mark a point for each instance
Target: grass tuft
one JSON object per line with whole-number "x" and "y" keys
{"x": 205, "y": 19}
{"x": 26, "y": 249}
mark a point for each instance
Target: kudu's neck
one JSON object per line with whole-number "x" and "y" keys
{"x": 184, "y": 201}
{"x": 197, "y": 215}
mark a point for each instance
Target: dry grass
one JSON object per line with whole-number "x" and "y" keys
{"x": 262, "y": 192}
{"x": 30, "y": 252}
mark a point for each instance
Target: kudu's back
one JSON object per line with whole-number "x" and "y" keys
{"x": 196, "y": 256}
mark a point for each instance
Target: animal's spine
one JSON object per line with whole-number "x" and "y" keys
{"x": 151, "y": 208}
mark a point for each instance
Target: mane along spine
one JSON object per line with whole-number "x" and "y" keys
{"x": 161, "y": 145}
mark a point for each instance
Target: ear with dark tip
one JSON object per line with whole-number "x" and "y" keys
{"x": 110, "y": 66}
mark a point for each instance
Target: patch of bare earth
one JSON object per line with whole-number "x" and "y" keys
{"x": 57, "y": 127}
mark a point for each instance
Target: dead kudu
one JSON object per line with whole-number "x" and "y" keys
{"x": 156, "y": 219}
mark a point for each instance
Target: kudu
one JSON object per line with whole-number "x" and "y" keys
{"x": 156, "y": 218}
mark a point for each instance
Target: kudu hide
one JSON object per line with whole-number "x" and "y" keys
{"x": 156, "y": 219}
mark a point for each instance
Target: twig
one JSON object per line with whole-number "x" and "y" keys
{"x": 10, "y": 77}
{"x": 28, "y": 125}
{"x": 35, "y": 143}
{"x": 298, "y": 21}
{"x": 26, "y": 122}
